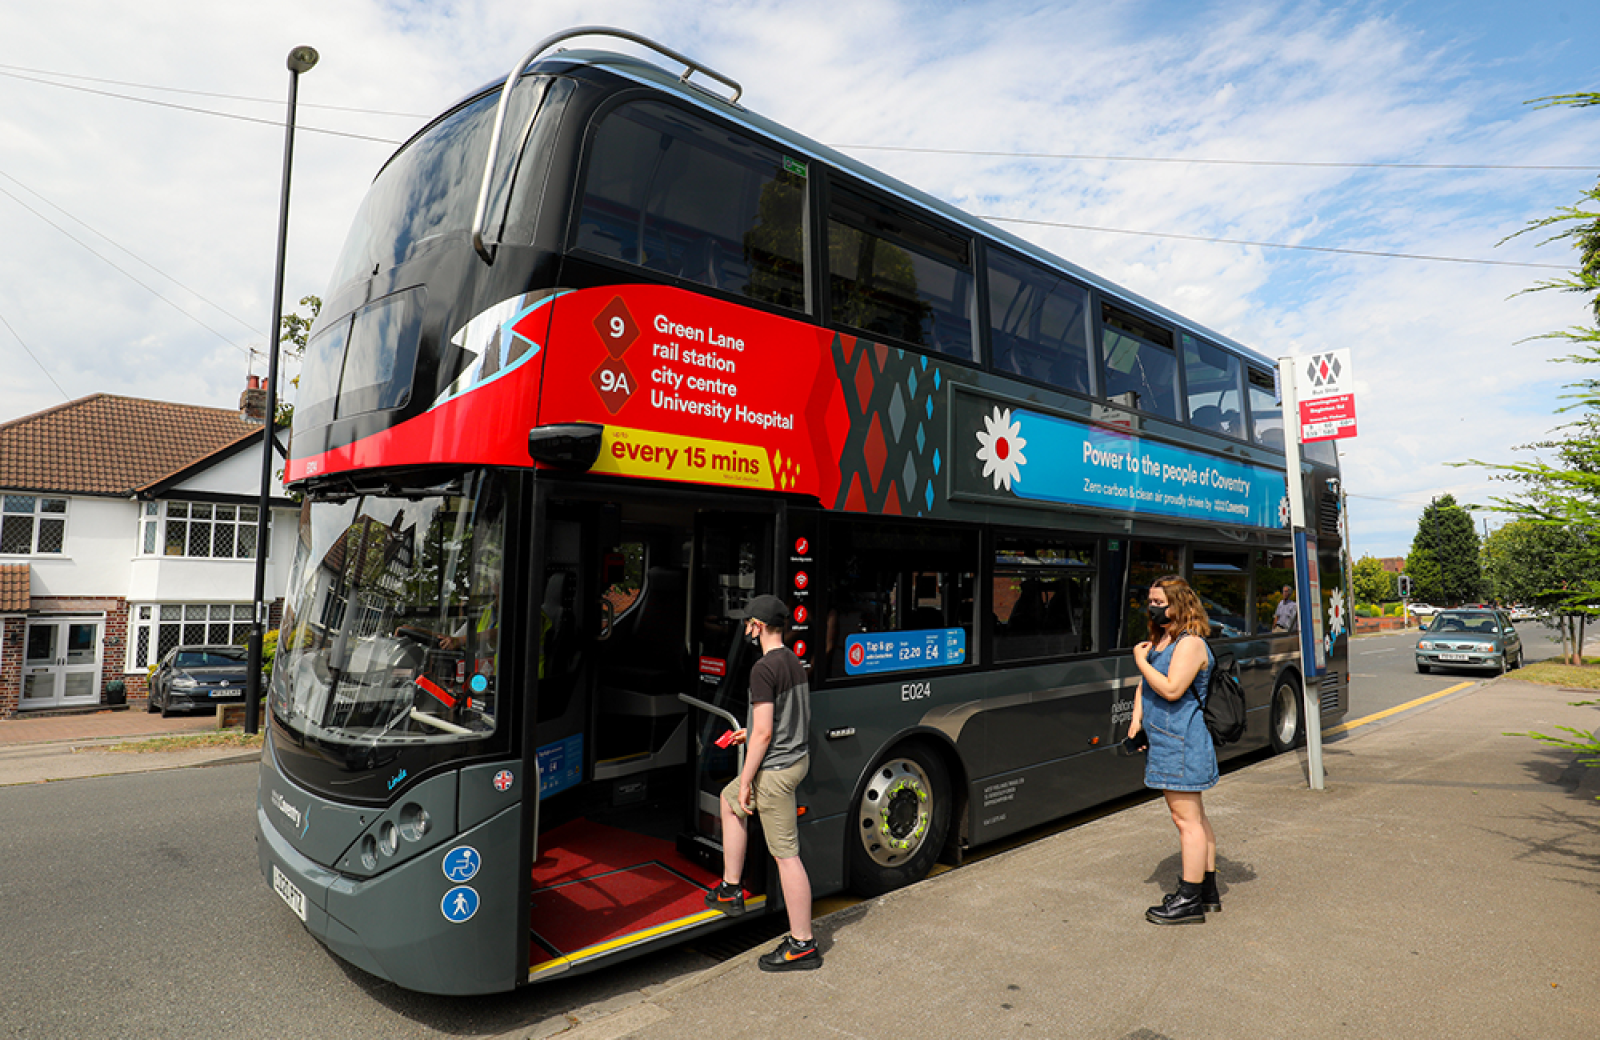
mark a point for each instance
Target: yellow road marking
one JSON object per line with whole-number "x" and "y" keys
{"x": 1348, "y": 726}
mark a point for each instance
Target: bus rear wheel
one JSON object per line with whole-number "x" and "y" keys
{"x": 1286, "y": 728}
{"x": 901, "y": 820}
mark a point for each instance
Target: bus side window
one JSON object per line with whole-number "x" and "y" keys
{"x": 888, "y": 577}
{"x": 1038, "y": 324}
{"x": 1141, "y": 368}
{"x": 1211, "y": 378}
{"x": 675, "y": 194}
{"x": 1043, "y": 596}
{"x": 1266, "y": 413}
{"x": 890, "y": 275}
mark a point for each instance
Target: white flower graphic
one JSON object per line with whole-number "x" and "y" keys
{"x": 1283, "y": 511}
{"x": 1336, "y": 613}
{"x": 1000, "y": 448}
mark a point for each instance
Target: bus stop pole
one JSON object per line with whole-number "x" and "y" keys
{"x": 1296, "y": 487}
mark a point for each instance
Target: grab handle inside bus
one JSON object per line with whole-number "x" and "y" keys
{"x": 690, "y": 66}
{"x": 732, "y": 720}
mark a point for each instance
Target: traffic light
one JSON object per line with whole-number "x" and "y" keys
{"x": 1405, "y": 586}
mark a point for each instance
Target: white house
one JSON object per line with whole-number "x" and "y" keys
{"x": 128, "y": 527}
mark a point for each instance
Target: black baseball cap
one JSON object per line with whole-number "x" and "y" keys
{"x": 769, "y": 610}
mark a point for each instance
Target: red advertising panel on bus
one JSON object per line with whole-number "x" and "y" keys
{"x": 689, "y": 389}
{"x": 696, "y": 390}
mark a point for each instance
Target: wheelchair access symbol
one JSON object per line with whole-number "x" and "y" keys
{"x": 461, "y": 864}
{"x": 459, "y": 904}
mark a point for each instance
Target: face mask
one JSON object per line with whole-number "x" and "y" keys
{"x": 1158, "y": 614}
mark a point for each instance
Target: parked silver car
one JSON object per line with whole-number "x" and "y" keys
{"x": 1469, "y": 639}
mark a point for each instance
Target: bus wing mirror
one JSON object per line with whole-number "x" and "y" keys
{"x": 569, "y": 446}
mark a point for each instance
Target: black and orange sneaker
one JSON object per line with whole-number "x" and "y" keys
{"x": 727, "y": 898}
{"x": 792, "y": 956}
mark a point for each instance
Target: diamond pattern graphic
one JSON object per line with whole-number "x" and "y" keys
{"x": 617, "y": 328}
{"x": 615, "y": 384}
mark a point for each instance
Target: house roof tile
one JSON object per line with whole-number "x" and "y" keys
{"x": 109, "y": 445}
{"x": 14, "y": 587}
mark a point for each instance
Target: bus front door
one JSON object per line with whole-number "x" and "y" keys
{"x": 733, "y": 559}
{"x": 636, "y": 630}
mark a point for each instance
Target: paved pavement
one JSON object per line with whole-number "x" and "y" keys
{"x": 65, "y": 747}
{"x": 1446, "y": 883}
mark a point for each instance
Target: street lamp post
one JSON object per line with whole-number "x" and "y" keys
{"x": 301, "y": 59}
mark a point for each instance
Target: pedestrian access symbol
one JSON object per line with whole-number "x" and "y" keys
{"x": 459, "y": 904}
{"x": 461, "y": 864}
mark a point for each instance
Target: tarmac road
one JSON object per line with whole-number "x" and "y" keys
{"x": 1444, "y": 885}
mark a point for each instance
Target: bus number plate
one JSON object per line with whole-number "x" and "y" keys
{"x": 289, "y": 893}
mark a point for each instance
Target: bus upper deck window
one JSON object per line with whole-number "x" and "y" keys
{"x": 1211, "y": 378}
{"x": 891, "y": 275}
{"x": 672, "y": 193}
{"x": 1141, "y": 368}
{"x": 1038, "y": 324}
{"x": 1266, "y": 412}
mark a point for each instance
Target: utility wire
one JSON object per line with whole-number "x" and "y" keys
{"x": 128, "y": 251}
{"x": 124, "y": 272}
{"x": 15, "y": 70}
{"x": 64, "y": 395}
{"x": 1276, "y": 245}
{"x": 1211, "y": 162}
{"x": 207, "y": 93}
{"x": 203, "y": 111}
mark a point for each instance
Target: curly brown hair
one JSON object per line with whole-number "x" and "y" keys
{"x": 1184, "y": 611}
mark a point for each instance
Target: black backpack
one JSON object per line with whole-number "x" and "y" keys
{"x": 1223, "y": 707}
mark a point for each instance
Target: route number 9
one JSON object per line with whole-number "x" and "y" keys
{"x": 618, "y": 326}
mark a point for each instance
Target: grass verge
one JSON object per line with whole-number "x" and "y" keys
{"x": 222, "y": 738}
{"x": 1554, "y": 673}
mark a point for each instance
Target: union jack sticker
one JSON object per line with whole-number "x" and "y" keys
{"x": 503, "y": 780}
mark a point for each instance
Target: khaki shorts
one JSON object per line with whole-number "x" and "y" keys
{"x": 774, "y": 801}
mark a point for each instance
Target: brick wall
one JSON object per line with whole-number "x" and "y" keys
{"x": 11, "y": 629}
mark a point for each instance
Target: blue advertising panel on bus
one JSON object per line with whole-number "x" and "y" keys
{"x": 871, "y": 652}
{"x": 1047, "y": 458}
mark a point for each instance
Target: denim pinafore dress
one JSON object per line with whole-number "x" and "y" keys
{"x": 1182, "y": 756}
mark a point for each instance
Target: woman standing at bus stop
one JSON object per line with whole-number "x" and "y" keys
{"x": 1176, "y": 665}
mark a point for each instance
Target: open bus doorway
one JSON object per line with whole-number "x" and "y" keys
{"x": 636, "y": 618}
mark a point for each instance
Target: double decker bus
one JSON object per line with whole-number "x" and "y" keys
{"x": 606, "y": 355}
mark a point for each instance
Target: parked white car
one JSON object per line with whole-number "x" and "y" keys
{"x": 1423, "y": 610}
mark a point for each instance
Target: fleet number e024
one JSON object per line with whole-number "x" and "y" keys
{"x": 916, "y": 691}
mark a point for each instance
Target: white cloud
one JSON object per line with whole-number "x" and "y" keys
{"x": 1440, "y": 378}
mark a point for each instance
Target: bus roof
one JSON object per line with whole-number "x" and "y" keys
{"x": 654, "y": 76}
{"x": 659, "y": 78}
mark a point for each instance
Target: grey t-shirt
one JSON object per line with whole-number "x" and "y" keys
{"x": 780, "y": 678}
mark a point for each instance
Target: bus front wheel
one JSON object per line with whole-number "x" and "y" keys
{"x": 901, "y": 820}
{"x": 1286, "y": 728}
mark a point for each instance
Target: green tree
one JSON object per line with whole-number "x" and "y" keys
{"x": 1566, "y": 493}
{"x": 1538, "y": 564}
{"x": 293, "y": 332}
{"x": 1443, "y": 562}
{"x": 1372, "y": 583}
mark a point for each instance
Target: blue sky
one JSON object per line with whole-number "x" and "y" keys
{"x": 185, "y": 202}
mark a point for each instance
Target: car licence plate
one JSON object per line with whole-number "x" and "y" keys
{"x": 1455, "y": 657}
{"x": 289, "y": 893}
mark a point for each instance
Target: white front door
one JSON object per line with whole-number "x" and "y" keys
{"x": 61, "y": 662}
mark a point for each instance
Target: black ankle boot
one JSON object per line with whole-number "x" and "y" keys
{"x": 1182, "y": 907}
{"x": 1210, "y": 898}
